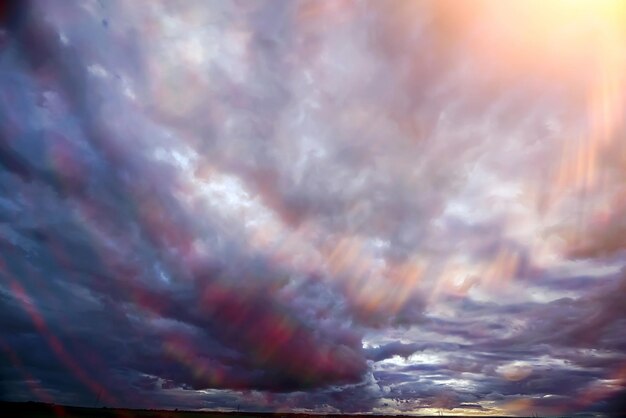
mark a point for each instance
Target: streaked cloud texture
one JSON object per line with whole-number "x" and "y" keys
{"x": 331, "y": 206}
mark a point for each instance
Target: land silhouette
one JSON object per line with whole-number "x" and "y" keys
{"x": 45, "y": 410}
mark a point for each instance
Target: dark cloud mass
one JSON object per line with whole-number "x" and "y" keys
{"x": 328, "y": 206}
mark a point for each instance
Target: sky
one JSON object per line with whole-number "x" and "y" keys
{"x": 341, "y": 206}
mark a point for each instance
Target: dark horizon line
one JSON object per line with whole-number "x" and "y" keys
{"x": 28, "y": 406}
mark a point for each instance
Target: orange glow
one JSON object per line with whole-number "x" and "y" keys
{"x": 576, "y": 45}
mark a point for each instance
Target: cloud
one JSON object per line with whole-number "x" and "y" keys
{"x": 345, "y": 206}
{"x": 393, "y": 349}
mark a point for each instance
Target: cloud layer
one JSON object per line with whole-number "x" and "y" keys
{"x": 330, "y": 206}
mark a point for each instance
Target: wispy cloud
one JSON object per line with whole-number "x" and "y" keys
{"x": 327, "y": 206}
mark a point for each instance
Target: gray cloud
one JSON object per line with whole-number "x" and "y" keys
{"x": 302, "y": 205}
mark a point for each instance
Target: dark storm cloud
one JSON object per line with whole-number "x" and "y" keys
{"x": 56, "y": 258}
{"x": 221, "y": 204}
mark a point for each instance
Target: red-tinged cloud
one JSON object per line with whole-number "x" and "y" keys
{"x": 313, "y": 206}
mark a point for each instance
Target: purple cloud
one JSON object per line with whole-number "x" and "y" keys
{"x": 313, "y": 206}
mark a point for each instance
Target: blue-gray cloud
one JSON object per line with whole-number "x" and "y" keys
{"x": 328, "y": 206}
